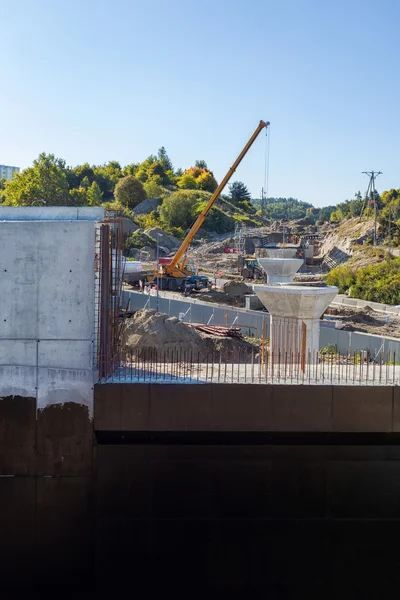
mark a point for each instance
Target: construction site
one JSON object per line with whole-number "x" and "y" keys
{"x": 191, "y": 419}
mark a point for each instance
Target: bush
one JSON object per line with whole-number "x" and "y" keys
{"x": 217, "y": 220}
{"x": 247, "y": 221}
{"x": 187, "y": 182}
{"x": 330, "y": 349}
{"x": 153, "y": 189}
{"x": 377, "y": 283}
{"x": 138, "y": 240}
{"x": 342, "y": 277}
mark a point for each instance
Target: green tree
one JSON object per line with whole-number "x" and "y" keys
{"x": 107, "y": 176}
{"x": 129, "y": 191}
{"x": 325, "y": 213}
{"x": 201, "y": 164}
{"x": 216, "y": 219}
{"x": 164, "y": 159}
{"x": 283, "y": 208}
{"x": 3, "y": 182}
{"x": 153, "y": 189}
{"x": 76, "y": 175}
{"x": 130, "y": 169}
{"x": 78, "y": 196}
{"x": 85, "y": 183}
{"x": 169, "y": 177}
{"x": 239, "y": 192}
{"x": 206, "y": 181}
{"x": 94, "y": 195}
{"x": 187, "y": 182}
{"x": 45, "y": 181}
{"x": 177, "y": 209}
{"x": 143, "y": 168}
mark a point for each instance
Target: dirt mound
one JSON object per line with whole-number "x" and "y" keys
{"x": 236, "y": 289}
{"x": 150, "y": 329}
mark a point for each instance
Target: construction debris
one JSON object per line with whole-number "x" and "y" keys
{"x": 218, "y": 330}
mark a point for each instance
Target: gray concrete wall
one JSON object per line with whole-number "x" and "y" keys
{"x": 343, "y": 300}
{"x": 47, "y": 317}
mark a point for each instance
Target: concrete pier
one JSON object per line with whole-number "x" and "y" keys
{"x": 295, "y": 312}
{"x": 280, "y": 270}
{"x": 281, "y": 252}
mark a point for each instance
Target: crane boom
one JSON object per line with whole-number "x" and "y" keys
{"x": 174, "y": 268}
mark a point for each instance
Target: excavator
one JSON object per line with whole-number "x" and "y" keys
{"x": 176, "y": 275}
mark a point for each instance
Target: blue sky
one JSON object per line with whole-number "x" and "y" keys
{"x": 98, "y": 81}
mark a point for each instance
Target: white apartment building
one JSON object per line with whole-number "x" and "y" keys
{"x": 7, "y": 172}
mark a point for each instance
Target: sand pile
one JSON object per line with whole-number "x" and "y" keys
{"x": 150, "y": 329}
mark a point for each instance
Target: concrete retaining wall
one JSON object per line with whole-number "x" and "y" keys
{"x": 46, "y": 487}
{"x": 47, "y": 316}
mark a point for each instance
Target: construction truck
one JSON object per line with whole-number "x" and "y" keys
{"x": 249, "y": 268}
{"x": 176, "y": 275}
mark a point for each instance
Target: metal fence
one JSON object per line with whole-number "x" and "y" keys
{"x": 174, "y": 365}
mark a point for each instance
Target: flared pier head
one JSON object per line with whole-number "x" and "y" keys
{"x": 295, "y": 318}
{"x": 281, "y": 252}
{"x": 280, "y": 270}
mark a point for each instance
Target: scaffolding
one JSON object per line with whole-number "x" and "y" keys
{"x": 239, "y": 237}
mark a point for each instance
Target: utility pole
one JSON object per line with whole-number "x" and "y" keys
{"x": 371, "y": 192}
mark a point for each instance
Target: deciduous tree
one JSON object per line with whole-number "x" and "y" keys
{"x": 187, "y": 182}
{"x": 206, "y": 181}
{"x": 129, "y": 191}
{"x": 45, "y": 181}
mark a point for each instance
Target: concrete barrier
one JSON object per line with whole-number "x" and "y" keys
{"x": 343, "y": 300}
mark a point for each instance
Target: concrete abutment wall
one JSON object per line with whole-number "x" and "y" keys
{"x": 188, "y": 487}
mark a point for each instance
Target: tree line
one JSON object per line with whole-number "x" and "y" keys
{"x": 50, "y": 181}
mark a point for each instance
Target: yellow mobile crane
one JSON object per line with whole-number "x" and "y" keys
{"x": 176, "y": 273}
